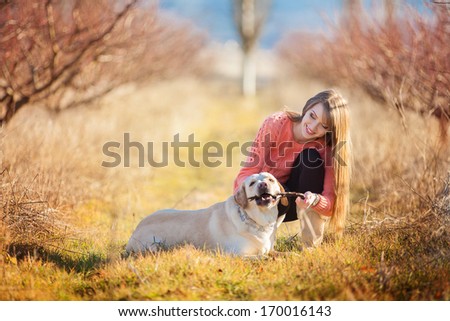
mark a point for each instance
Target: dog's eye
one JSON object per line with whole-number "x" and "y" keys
{"x": 271, "y": 180}
{"x": 252, "y": 183}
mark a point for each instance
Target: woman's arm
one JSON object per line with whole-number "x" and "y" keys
{"x": 326, "y": 199}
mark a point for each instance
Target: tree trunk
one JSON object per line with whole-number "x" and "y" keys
{"x": 250, "y": 16}
{"x": 389, "y": 10}
{"x": 249, "y": 73}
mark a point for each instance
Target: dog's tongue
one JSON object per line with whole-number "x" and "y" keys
{"x": 265, "y": 197}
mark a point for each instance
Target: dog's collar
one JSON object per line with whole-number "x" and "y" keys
{"x": 251, "y": 222}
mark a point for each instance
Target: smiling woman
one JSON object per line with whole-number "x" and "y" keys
{"x": 308, "y": 152}
{"x": 314, "y": 124}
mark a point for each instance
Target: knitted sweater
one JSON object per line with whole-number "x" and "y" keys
{"x": 274, "y": 151}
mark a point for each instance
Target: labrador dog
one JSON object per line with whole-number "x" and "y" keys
{"x": 245, "y": 224}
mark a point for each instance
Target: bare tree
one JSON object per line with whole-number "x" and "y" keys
{"x": 389, "y": 10}
{"x": 250, "y": 16}
{"x": 402, "y": 62}
{"x": 38, "y": 58}
{"x": 65, "y": 53}
{"x": 351, "y": 13}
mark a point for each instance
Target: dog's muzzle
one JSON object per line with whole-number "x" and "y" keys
{"x": 264, "y": 199}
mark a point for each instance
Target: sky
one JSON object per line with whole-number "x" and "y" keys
{"x": 216, "y": 16}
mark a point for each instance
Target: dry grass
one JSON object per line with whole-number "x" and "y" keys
{"x": 395, "y": 248}
{"x": 66, "y": 55}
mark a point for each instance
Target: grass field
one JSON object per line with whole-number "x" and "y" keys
{"x": 66, "y": 218}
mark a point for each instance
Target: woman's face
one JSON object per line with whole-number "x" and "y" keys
{"x": 314, "y": 123}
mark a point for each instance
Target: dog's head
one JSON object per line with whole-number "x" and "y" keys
{"x": 263, "y": 189}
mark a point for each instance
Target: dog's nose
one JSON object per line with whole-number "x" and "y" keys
{"x": 262, "y": 186}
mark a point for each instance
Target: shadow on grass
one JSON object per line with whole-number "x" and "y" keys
{"x": 71, "y": 262}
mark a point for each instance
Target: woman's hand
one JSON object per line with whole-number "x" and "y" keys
{"x": 310, "y": 200}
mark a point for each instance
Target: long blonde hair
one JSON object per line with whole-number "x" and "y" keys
{"x": 338, "y": 138}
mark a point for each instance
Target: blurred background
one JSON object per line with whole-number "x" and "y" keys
{"x": 77, "y": 74}
{"x": 284, "y": 16}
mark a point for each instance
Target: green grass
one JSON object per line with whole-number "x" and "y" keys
{"x": 395, "y": 246}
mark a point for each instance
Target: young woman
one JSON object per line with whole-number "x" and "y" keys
{"x": 310, "y": 153}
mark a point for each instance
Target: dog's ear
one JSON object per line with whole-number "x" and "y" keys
{"x": 284, "y": 200}
{"x": 241, "y": 196}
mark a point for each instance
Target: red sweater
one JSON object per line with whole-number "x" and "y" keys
{"x": 274, "y": 150}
